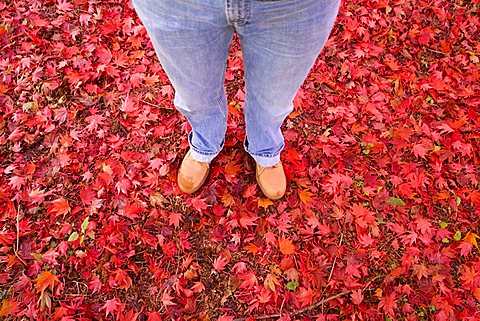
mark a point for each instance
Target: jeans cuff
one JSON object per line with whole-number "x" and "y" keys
{"x": 199, "y": 157}
{"x": 266, "y": 161}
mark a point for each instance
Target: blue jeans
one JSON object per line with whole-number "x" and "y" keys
{"x": 280, "y": 40}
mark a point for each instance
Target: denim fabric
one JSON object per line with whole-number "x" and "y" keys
{"x": 280, "y": 40}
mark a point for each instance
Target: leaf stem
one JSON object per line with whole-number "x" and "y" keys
{"x": 17, "y": 245}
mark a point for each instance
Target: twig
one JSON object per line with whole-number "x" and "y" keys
{"x": 10, "y": 41}
{"x": 281, "y": 306}
{"x": 385, "y": 243}
{"x": 335, "y": 260}
{"x": 278, "y": 315}
{"x": 17, "y": 245}
{"x": 436, "y": 51}
{"x": 320, "y": 303}
{"x": 370, "y": 282}
{"x": 156, "y": 106}
{"x": 333, "y": 265}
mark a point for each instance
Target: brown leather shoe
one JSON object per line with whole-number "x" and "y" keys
{"x": 192, "y": 174}
{"x": 272, "y": 180}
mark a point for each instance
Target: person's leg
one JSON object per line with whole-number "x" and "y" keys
{"x": 191, "y": 39}
{"x": 280, "y": 43}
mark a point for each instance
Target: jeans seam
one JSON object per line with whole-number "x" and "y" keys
{"x": 220, "y": 104}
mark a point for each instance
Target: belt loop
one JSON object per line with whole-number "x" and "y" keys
{"x": 237, "y": 11}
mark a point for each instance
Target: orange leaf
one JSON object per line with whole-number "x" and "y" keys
{"x": 59, "y": 207}
{"x": 30, "y": 168}
{"x": 232, "y": 168}
{"x": 264, "y": 202}
{"x": 471, "y": 238}
{"x": 286, "y": 246}
{"x": 443, "y": 195}
{"x": 46, "y": 280}
{"x": 294, "y": 114}
{"x": 252, "y": 248}
{"x": 305, "y": 196}
{"x": 8, "y": 307}
{"x": 476, "y": 293}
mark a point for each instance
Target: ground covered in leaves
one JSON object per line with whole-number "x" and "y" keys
{"x": 381, "y": 217}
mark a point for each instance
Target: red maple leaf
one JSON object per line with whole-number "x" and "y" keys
{"x": 175, "y": 219}
{"x": 363, "y": 217}
{"x": 123, "y": 185}
{"x": 167, "y": 300}
{"x": 388, "y": 303}
{"x": 357, "y": 296}
{"x": 9, "y": 307}
{"x": 154, "y": 316}
{"x": 59, "y": 207}
{"x": 246, "y": 221}
{"x": 132, "y": 210}
{"x": 112, "y": 306}
{"x": 419, "y": 151}
{"x": 64, "y": 6}
{"x": 199, "y": 204}
{"x": 122, "y": 279}
{"x": 305, "y": 296}
{"x": 198, "y": 287}
{"x": 249, "y": 280}
{"x": 219, "y": 263}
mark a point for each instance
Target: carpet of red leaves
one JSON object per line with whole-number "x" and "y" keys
{"x": 380, "y": 221}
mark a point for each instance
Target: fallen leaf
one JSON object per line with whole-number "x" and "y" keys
{"x": 471, "y": 238}
{"x": 46, "y": 280}
{"x": 59, "y": 207}
{"x": 286, "y": 246}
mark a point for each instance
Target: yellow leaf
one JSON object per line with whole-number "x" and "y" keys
{"x": 264, "y": 202}
{"x": 228, "y": 200}
{"x": 305, "y": 196}
{"x": 270, "y": 282}
{"x": 157, "y": 199}
{"x": 275, "y": 269}
{"x": 471, "y": 238}
{"x": 286, "y": 246}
